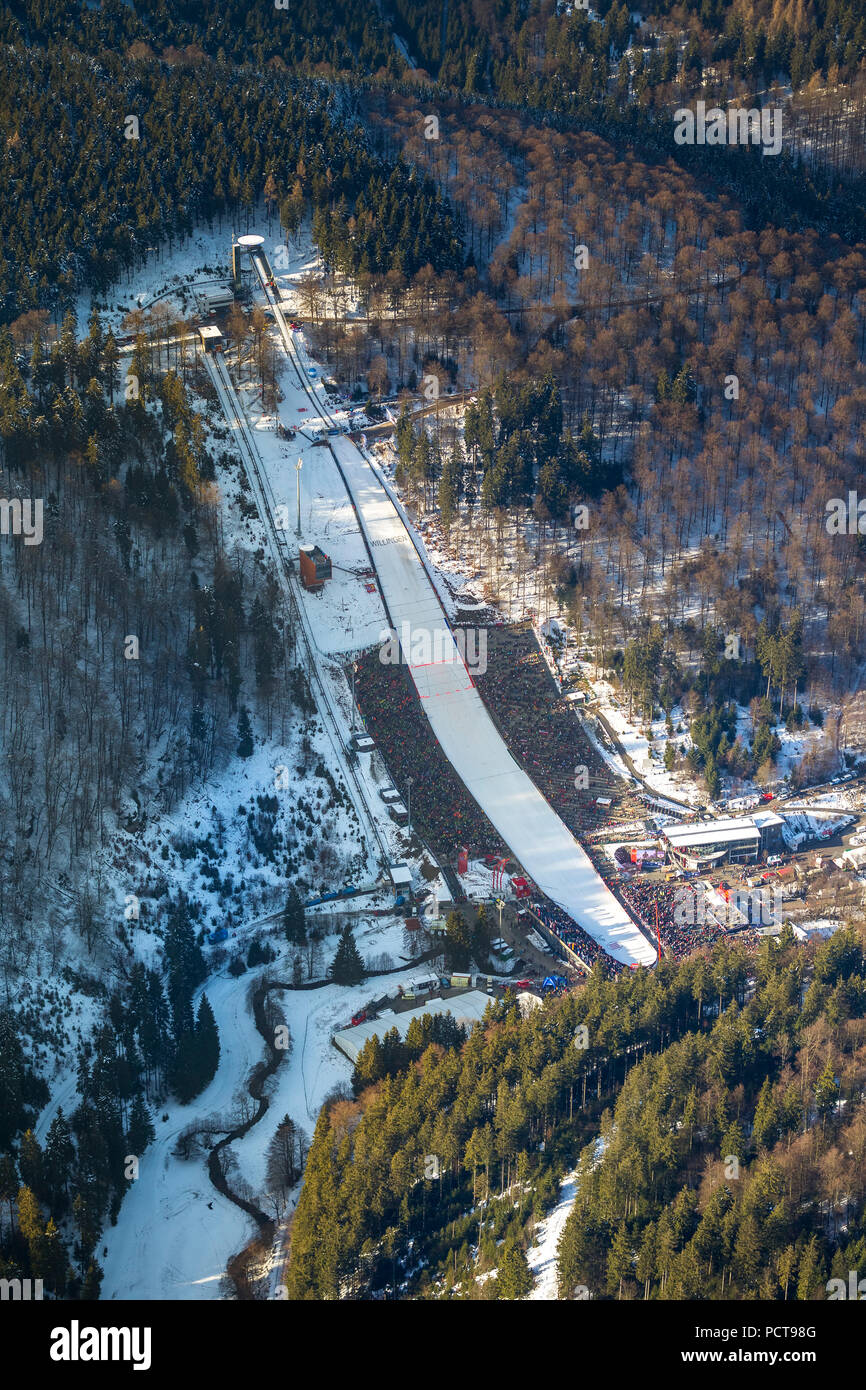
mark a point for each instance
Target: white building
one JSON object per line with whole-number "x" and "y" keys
{"x": 735, "y": 840}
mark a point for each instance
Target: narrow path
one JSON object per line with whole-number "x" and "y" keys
{"x": 651, "y": 791}
{"x": 542, "y": 1256}
{"x": 258, "y": 1078}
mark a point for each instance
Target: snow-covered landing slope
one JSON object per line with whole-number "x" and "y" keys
{"x": 466, "y": 733}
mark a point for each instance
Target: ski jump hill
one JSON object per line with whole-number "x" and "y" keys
{"x": 467, "y": 735}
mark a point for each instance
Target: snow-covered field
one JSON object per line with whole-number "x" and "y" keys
{"x": 542, "y": 1257}
{"x": 175, "y": 1232}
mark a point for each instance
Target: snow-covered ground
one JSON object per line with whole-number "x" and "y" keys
{"x": 647, "y": 755}
{"x": 409, "y": 598}
{"x": 542, "y": 1256}
{"x": 467, "y": 734}
{"x": 175, "y": 1232}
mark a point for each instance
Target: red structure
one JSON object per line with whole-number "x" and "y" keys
{"x": 463, "y": 861}
{"x": 315, "y": 567}
{"x": 498, "y": 873}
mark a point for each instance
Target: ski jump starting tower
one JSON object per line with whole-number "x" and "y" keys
{"x": 243, "y": 250}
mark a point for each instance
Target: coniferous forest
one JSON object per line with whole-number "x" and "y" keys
{"x": 714, "y": 1107}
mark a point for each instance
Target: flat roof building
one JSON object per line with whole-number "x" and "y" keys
{"x": 211, "y": 338}
{"x": 215, "y": 297}
{"x": 734, "y": 840}
{"x": 401, "y": 875}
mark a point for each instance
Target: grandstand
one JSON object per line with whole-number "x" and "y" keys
{"x": 543, "y": 735}
{"x": 548, "y": 739}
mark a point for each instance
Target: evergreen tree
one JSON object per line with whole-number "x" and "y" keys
{"x": 245, "y": 734}
{"x": 30, "y": 1163}
{"x": 826, "y": 1091}
{"x": 294, "y": 920}
{"x": 514, "y": 1279}
{"x": 9, "y": 1183}
{"x": 186, "y": 966}
{"x": 208, "y": 1044}
{"x": 31, "y": 1225}
{"x": 55, "y": 1260}
{"x": 619, "y": 1261}
{"x": 811, "y": 1276}
{"x": 92, "y": 1283}
{"x": 457, "y": 942}
{"x": 58, "y": 1163}
{"x": 141, "y": 1131}
{"x": 347, "y": 967}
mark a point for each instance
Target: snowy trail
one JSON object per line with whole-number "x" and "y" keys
{"x": 542, "y": 1257}
{"x": 169, "y": 1242}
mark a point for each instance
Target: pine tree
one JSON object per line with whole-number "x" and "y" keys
{"x": 369, "y": 1065}
{"x": 13, "y": 1109}
{"x": 59, "y": 1158}
{"x": 9, "y": 1183}
{"x": 619, "y": 1260}
{"x": 457, "y": 941}
{"x": 141, "y": 1131}
{"x": 811, "y": 1275}
{"x": 347, "y": 967}
{"x": 245, "y": 734}
{"x": 765, "y": 1128}
{"x": 185, "y": 1069}
{"x": 514, "y": 1279}
{"x": 294, "y": 921}
{"x": 92, "y": 1282}
{"x": 826, "y": 1091}
{"x": 646, "y": 1259}
{"x": 54, "y": 1259}
{"x": 208, "y": 1043}
{"x": 30, "y": 1163}
{"x": 30, "y": 1223}
{"x": 786, "y": 1268}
